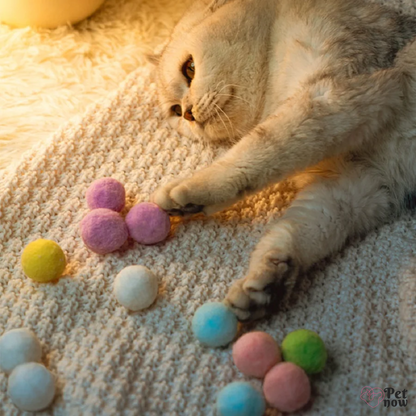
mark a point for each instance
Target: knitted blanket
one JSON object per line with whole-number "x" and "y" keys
{"x": 111, "y": 362}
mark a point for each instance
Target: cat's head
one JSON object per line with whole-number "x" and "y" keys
{"x": 212, "y": 74}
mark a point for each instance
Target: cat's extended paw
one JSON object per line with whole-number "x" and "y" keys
{"x": 269, "y": 279}
{"x": 206, "y": 191}
{"x": 173, "y": 198}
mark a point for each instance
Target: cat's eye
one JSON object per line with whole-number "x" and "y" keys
{"x": 177, "y": 110}
{"x": 188, "y": 69}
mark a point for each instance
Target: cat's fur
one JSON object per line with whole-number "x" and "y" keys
{"x": 320, "y": 91}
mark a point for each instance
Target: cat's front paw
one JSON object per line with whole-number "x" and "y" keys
{"x": 269, "y": 280}
{"x": 175, "y": 199}
{"x": 210, "y": 190}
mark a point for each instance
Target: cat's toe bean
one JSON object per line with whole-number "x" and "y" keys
{"x": 192, "y": 208}
{"x": 189, "y": 209}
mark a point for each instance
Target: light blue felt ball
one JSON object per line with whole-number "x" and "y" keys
{"x": 214, "y": 324}
{"x": 240, "y": 399}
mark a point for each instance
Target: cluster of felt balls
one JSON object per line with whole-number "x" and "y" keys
{"x": 104, "y": 230}
{"x": 286, "y": 385}
{"x": 31, "y": 386}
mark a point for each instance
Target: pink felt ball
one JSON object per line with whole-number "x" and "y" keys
{"x": 255, "y": 353}
{"x": 103, "y": 230}
{"x": 287, "y": 387}
{"x": 106, "y": 193}
{"x": 147, "y": 223}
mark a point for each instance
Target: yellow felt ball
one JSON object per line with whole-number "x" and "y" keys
{"x": 43, "y": 260}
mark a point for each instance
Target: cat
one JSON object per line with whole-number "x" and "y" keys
{"x": 321, "y": 92}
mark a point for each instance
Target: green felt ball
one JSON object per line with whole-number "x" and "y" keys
{"x": 306, "y": 349}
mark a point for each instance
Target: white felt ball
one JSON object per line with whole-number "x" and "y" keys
{"x": 31, "y": 387}
{"x": 135, "y": 287}
{"x": 18, "y": 346}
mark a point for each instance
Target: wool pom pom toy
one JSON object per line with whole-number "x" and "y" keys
{"x": 306, "y": 349}
{"x": 255, "y": 353}
{"x": 31, "y": 387}
{"x": 147, "y": 223}
{"x": 103, "y": 230}
{"x": 240, "y": 399}
{"x": 135, "y": 287}
{"x": 287, "y": 387}
{"x": 43, "y": 261}
{"x": 18, "y": 346}
{"x": 106, "y": 193}
{"x": 214, "y": 324}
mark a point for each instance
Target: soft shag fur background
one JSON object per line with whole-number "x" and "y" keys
{"x": 49, "y": 76}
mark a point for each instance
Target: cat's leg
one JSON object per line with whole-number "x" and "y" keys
{"x": 324, "y": 119}
{"x": 320, "y": 220}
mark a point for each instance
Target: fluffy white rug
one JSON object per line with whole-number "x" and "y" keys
{"x": 49, "y": 76}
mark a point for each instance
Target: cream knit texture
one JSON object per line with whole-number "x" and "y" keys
{"x": 109, "y": 361}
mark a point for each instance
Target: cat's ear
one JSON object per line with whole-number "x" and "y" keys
{"x": 153, "y": 58}
{"x": 216, "y": 4}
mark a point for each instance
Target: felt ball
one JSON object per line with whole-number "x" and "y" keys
{"x": 240, "y": 399}
{"x": 106, "y": 193}
{"x": 286, "y": 387}
{"x": 31, "y": 387}
{"x": 306, "y": 349}
{"x": 135, "y": 287}
{"x": 18, "y": 346}
{"x": 147, "y": 223}
{"x": 214, "y": 324}
{"x": 255, "y": 353}
{"x": 43, "y": 260}
{"x": 103, "y": 230}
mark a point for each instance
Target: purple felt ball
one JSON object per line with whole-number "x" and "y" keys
{"x": 106, "y": 193}
{"x": 103, "y": 230}
{"x": 147, "y": 223}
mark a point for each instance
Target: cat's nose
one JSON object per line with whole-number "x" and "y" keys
{"x": 188, "y": 114}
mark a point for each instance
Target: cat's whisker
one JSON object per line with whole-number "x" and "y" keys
{"x": 235, "y": 96}
{"x": 219, "y": 116}
{"x": 222, "y": 81}
{"x": 231, "y": 85}
{"x": 231, "y": 124}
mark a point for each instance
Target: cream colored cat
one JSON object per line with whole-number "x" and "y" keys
{"x": 320, "y": 91}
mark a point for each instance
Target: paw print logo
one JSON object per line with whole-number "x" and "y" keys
{"x": 372, "y": 396}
